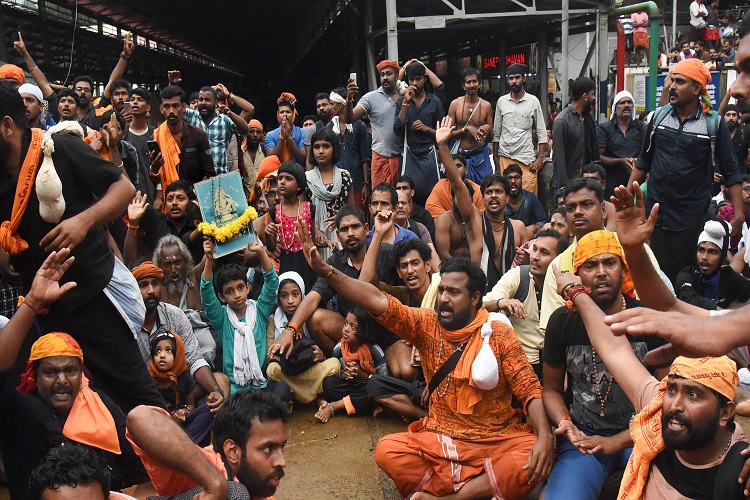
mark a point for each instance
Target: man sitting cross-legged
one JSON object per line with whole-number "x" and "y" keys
{"x": 473, "y": 443}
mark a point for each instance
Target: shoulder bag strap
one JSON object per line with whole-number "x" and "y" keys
{"x": 447, "y": 367}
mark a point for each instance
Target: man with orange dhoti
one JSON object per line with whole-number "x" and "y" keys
{"x": 473, "y": 442}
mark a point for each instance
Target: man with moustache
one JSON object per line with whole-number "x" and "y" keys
{"x": 379, "y": 106}
{"x": 172, "y": 256}
{"x": 323, "y": 111}
{"x": 574, "y": 133}
{"x": 33, "y": 100}
{"x": 516, "y": 115}
{"x": 185, "y": 152}
{"x": 473, "y": 118}
{"x": 161, "y": 316}
{"x": 738, "y": 134}
{"x": 684, "y": 142}
{"x": 620, "y": 140}
{"x": 219, "y": 126}
{"x": 523, "y": 205}
{"x": 253, "y": 154}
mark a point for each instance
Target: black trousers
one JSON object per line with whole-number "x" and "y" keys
{"x": 676, "y": 249}
{"x": 335, "y": 388}
{"x": 110, "y": 351}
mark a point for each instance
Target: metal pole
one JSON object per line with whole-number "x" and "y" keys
{"x": 564, "y": 50}
{"x": 372, "y": 78}
{"x": 674, "y": 24}
{"x": 602, "y": 67}
{"x": 392, "y": 27}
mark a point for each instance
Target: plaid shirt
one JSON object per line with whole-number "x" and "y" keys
{"x": 219, "y": 131}
{"x": 9, "y": 291}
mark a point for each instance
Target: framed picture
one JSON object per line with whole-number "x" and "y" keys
{"x": 222, "y": 201}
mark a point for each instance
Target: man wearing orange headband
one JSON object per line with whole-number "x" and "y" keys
{"x": 686, "y": 444}
{"x": 288, "y": 141}
{"x": 252, "y": 156}
{"x": 54, "y": 403}
{"x": 686, "y": 143}
{"x": 592, "y": 427}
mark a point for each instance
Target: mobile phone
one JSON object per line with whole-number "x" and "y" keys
{"x": 353, "y": 77}
{"x": 153, "y": 146}
{"x": 127, "y": 106}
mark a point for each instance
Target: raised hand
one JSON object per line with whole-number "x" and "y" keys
{"x": 223, "y": 91}
{"x": 174, "y": 77}
{"x": 443, "y": 131}
{"x": 20, "y": 46}
{"x": 563, "y": 279}
{"x": 128, "y": 45}
{"x": 633, "y": 227}
{"x": 383, "y": 222}
{"x": 137, "y": 208}
{"x": 208, "y": 249}
{"x": 351, "y": 88}
{"x": 46, "y": 289}
{"x": 309, "y": 249}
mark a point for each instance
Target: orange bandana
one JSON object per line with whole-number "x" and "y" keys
{"x": 363, "y": 356}
{"x": 179, "y": 367}
{"x": 170, "y": 150}
{"x": 147, "y": 270}
{"x": 719, "y": 374}
{"x": 600, "y": 242}
{"x": 89, "y": 421}
{"x": 10, "y": 241}
{"x": 286, "y": 152}
{"x": 698, "y": 72}
{"x": 388, "y": 63}
{"x": 12, "y": 72}
{"x": 469, "y": 395}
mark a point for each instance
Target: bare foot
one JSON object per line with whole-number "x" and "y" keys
{"x": 377, "y": 411}
{"x": 325, "y": 411}
{"x": 421, "y": 495}
{"x": 743, "y": 408}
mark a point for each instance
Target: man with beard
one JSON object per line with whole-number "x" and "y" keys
{"x": 418, "y": 114}
{"x": 68, "y": 102}
{"x": 185, "y": 152}
{"x": 384, "y": 197}
{"x": 523, "y": 310}
{"x": 247, "y": 461}
{"x": 680, "y": 160}
{"x": 473, "y": 441}
{"x": 161, "y": 316}
{"x": 592, "y": 425}
{"x": 523, "y": 205}
{"x": 33, "y": 100}
{"x": 379, "y": 106}
{"x": 120, "y": 91}
{"x": 473, "y": 118}
{"x": 180, "y": 274}
{"x": 620, "y": 140}
{"x": 252, "y": 156}
{"x": 738, "y": 134}
{"x": 324, "y": 325}
{"x": 219, "y": 126}
{"x": 516, "y": 116}
{"x": 405, "y": 184}
{"x": 574, "y": 133}
{"x": 402, "y": 218}
{"x": 323, "y": 110}
{"x": 686, "y": 441}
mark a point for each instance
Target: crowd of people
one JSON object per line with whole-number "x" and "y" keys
{"x": 404, "y": 258}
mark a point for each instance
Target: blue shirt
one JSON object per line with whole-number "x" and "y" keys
{"x": 272, "y": 138}
{"x": 217, "y": 315}
{"x": 219, "y": 132}
{"x": 401, "y": 234}
{"x": 530, "y": 211}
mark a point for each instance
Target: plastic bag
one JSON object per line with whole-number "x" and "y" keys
{"x": 484, "y": 370}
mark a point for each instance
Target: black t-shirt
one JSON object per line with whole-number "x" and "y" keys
{"x": 185, "y": 384}
{"x": 567, "y": 343}
{"x": 85, "y": 177}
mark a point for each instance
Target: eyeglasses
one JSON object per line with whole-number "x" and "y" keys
{"x": 85, "y": 90}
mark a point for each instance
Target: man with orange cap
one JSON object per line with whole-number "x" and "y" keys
{"x": 54, "y": 404}
{"x": 592, "y": 426}
{"x": 686, "y": 443}
{"x": 288, "y": 141}
{"x": 686, "y": 143}
{"x": 252, "y": 155}
{"x": 12, "y": 74}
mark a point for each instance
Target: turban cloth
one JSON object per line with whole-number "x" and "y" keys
{"x": 12, "y": 72}
{"x": 719, "y": 374}
{"x": 255, "y": 124}
{"x": 388, "y": 63}
{"x": 619, "y": 97}
{"x": 287, "y": 97}
{"x": 598, "y": 243}
{"x": 698, "y": 72}
{"x": 147, "y": 270}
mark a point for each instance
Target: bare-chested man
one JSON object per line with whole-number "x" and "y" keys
{"x": 180, "y": 275}
{"x": 473, "y": 118}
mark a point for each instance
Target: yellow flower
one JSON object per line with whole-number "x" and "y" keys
{"x": 227, "y": 232}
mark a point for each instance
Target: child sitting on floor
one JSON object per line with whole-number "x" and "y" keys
{"x": 169, "y": 369}
{"x": 348, "y": 389}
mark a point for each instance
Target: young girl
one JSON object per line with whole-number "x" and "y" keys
{"x": 169, "y": 370}
{"x": 329, "y": 187}
{"x": 347, "y": 391}
{"x": 307, "y": 385}
{"x": 278, "y": 228}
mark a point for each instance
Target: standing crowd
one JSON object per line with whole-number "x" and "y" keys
{"x": 570, "y": 334}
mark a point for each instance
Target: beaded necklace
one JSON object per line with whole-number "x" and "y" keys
{"x": 602, "y": 413}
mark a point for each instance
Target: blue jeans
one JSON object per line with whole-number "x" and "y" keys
{"x": 580, "y": 476}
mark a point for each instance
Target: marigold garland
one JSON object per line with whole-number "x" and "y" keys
{"x": 227, "y": 232}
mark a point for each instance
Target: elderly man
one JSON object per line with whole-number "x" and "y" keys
{"x": 54, "y": 404}
{"x": 685, "y": 141}
{"x": 620, "y": 140}
{"x": 166, "y": 316}
{"x": 473, "y": 440}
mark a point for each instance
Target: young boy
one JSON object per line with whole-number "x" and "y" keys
{"x": 241, "y": 322}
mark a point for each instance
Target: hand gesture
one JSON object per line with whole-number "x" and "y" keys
{"x": 353, "y": 370}
{"x": 68, "y": 233}
{"x": 127, "y": 115}
{"x": 96, "y": 143}
{"x": 214, "y": 400}
{"x": 351, "y": 89}
{"x": 174, "y": 77}
{"x": 483, "y": 132}
{"x": 137, "y": 208}
{"x": 318, "y": 355}
{"x": 112, "y": 133}
{"x": 409, "y": 94}
{"x": 128, "y": 45}
{"x": 156, "y": 159}
{"x": 599, "y": 444}
{"x": 272, "y": 229}
{"x": 383, "y": 222}
{"x": 443, "y": 132}
{"x": 633, "y": 228}
{"x": 286, "y": 130}
{"x": 330, "y": 223}
{"x": 46, "y": 289}
{"x": 309, "y": 250}
{"x": 522, "y": 256}
{"x": 256, "y": 247}
{"x": 573, "y": 434}
{"x": 20, "y": 46}
{"x": 541, "y": 459}
{"x": 208, "y": 249}
{"x": 563, "y": 279}
{"x": 223, "y": 91}
{"x": 418, "y": 126}
{"x": 514, "y": 307}
{"x": 222, "y": 107}
{"x": 179, "y": 415}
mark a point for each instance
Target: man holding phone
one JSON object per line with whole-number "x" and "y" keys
{"x": 138, "y": 133}
{"x": 183, "y": 150}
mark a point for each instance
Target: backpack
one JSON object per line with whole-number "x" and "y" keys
{"x": 712, "y": 124}
{"x": 523, "y": 286}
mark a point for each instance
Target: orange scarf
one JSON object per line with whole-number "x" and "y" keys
{"x": 469, "y": 394}
{"x": 10, "y": 241}
{"x": 179, "y": 367}
{"x": 286, "y": 152}
{"x": 719, "y": 374}
{"x": 362, "y": 355}
{"x": 698, "y": 72}
{"x": 89, "y": 421}
{"x": 170, "y": 150}
{"x": 598, "y": 243}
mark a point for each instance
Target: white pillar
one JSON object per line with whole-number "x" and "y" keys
{"x": 392, "y": 26}
{"x": 564, "y": 49}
